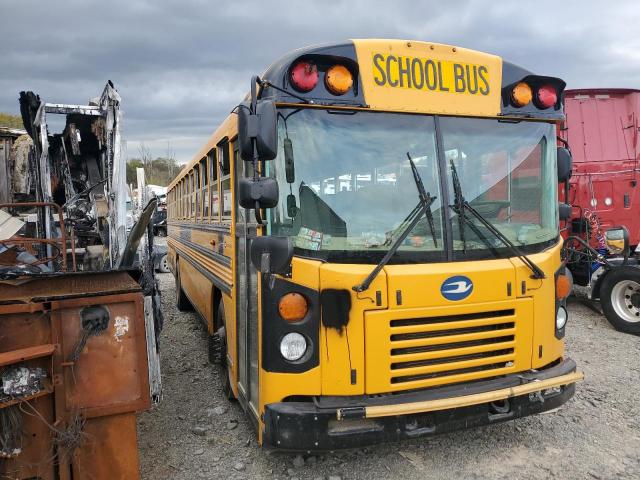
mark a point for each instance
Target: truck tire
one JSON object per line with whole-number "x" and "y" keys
{"x": 182, "y": 301}
{"x": 620, "y": 298}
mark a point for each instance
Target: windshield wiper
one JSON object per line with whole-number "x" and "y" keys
{"x": 424, "y": 197}
{"x": 422, "y": 208}
{"x": 460, "y": 205}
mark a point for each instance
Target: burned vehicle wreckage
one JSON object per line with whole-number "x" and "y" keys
{"x": 79, "y": 304}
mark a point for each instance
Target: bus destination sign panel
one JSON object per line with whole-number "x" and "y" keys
{"x": 428, "y": 74}
{"x": 429, "y": 78}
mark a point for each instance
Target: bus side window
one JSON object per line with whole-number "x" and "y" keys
{"x": 204, "y": 190}
{"x": 192, "y": 196}
{"x": 196, "y": 192}
{"x": 225, "y": 180}
{"x": 185, "y": 198}
{"x": 181, "y": 199}
{"x": 214, "y": 193}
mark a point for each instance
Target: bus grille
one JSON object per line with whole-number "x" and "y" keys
{"x": 453, "y": 345}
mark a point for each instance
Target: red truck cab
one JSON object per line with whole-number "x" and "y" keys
{"x": 601, "y": 130}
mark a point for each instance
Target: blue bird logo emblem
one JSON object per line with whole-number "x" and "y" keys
{"x": 456, "y": 288}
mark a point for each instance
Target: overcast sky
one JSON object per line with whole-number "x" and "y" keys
{"x": 181, "y": 65}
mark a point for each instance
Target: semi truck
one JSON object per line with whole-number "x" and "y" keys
{"x": 602, "y": 225}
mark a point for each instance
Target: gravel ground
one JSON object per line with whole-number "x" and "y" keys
{"x": 195, "y": 433}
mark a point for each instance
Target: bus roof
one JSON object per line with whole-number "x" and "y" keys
{"x": 411, "y": 76}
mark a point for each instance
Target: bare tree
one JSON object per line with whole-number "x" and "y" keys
{"x": 145, "y": 155}
{"x": 171, "y": 160}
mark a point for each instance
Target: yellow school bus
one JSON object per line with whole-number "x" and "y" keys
{"x": 372, "y": 239}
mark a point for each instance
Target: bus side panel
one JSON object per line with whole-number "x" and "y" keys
{"x": 198, "y": 289}
{"x": 546, "y": 347}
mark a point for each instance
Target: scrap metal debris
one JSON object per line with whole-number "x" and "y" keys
{"x": 65, "y": 247}
{"x": 79, "y": 169}
{"x": 20, "y": 381}
{"x": 10, "y": 432}
{"x": 69, "y": 439}
{"x": 19, "y": 164}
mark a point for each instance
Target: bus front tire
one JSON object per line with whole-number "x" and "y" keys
{"x": 218, "y": 352}
{"x": 182, "y": 301}
{"x": 217, "y": 347}
{"x": 620, "y": 298}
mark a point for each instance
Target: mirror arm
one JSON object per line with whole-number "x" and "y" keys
{"x": 266, "y": 83}
{"x": 255, "y": 80}
{"x": 258, "y": 215}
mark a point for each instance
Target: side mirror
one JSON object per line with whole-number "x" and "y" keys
{"x": 261, "y": 192}
{"x": 565, "y": 164}
{"x": 564, "y": 211}
{"x": 260, "y": 126}
{"x": 271, "y": 254}
{"x": 617, "y": 240}
{"x": 292, "y": 208}
{"x": 289, "y": 165}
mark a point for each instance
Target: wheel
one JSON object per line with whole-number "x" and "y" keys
{"x": 218, "y": 347}
{"x": 620, "y": 298}
{"x": 163, "y": 264}
{"x": 218, "y": 352}
{"x": 182, "y": 302}
{"x": 162, "y": 232}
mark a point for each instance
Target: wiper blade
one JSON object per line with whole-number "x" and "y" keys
{"x": 423, "y": 208}
{"x": 392, "y": 250}
{"x": 425, "y": 198}
{"x": 461, "y": 205}
{"x": 458, "y": 205}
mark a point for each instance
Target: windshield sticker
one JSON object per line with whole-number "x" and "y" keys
{"x": 430, "y": 75}
{"x": 308, "y": 239}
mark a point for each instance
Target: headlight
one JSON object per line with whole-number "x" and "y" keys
{"x": 293, "y": 346}
{"x": 561, "y": 318}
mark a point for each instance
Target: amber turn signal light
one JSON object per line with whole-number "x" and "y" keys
{"x": 293, "y": 307}
{"x": 521, "y": 95}
{"x": 563, "y": 287}
{"x": 338, "y": 80}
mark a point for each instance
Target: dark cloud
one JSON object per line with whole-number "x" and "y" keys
{"x": 181, "y": 65}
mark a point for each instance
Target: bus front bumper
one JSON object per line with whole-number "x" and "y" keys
{"x": 331, "y": 423}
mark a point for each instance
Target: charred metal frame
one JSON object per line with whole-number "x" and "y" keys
{"x": 62, "y": 241}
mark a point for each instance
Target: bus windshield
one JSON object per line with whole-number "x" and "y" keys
{"x": 350, "y": 186}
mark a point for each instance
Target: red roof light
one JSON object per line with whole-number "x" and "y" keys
{"x": 304, "y": 76}
{"x": 546, "y": 96}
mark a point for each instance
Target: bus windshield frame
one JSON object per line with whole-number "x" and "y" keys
{"x": 353, "y": 184}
